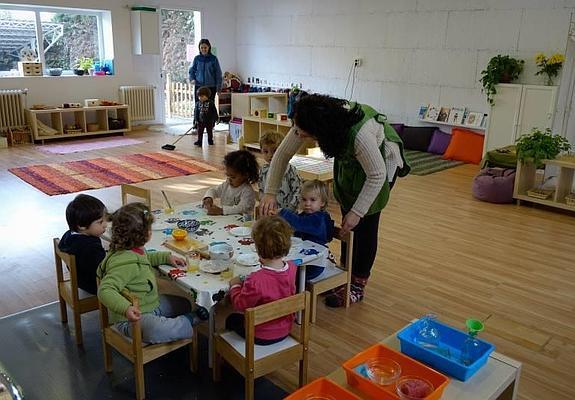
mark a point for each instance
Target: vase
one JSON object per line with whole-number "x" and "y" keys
{"x": 549, "y": 80}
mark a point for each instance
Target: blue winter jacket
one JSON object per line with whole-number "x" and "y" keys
{"x": 206, "y": 71}
{"x": 317, "y": 227}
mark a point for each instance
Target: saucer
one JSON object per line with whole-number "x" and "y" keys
{"x": 241, "y": 231}
{"x": 248, "y": 259}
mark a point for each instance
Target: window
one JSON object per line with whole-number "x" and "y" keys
{"x": 57, "y": 37}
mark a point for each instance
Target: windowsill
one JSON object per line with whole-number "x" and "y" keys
{"x": 60, "y": 76}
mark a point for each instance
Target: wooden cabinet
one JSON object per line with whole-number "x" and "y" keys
{"x": 526, "y": 180}
{"x": 244, "y": 104}
{"x": 56, "y": 123}
{"x": 224, "y": 106}
{"x": 254, "y": 127}
{"x": 518, "y": 109}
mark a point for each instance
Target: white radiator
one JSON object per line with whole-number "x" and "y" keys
{"x": 12, "y": 106}
{"x": 141, "y": 102}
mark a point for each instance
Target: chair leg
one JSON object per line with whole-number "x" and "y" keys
{"x": 194, "y": 352}
{"x": 303, "y": 368}
{"x": 249, "y": 392}
{"x": 347, "y": 294}
{"x": 139, "y": 377}
{"x": 216, "y": 367}
{"x": 313, "y": 306}
{"x": 63, "y": 310}
{"x": 107, "y": 354}
{"x": 78, "y": 327}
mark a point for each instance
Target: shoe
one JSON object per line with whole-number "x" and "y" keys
{"x": 202, "y": 313}
{"x": 198, "y": 143}
{"x": 356, "y": 293}
{"x": 211, "y": 142}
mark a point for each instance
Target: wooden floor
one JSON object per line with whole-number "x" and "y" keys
{"x": 439, "y": 250}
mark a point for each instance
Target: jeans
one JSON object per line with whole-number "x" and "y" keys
{"x": 165, "y": 324}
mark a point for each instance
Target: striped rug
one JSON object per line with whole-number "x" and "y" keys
{"x": 76, "y": 176}
{"x": 423, "y": 163}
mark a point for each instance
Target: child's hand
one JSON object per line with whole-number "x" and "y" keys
{"x": 177, "y": 262}
{"x": 235, "y": 281}
{"x": 208, "y": 202}
{"x": 133, "y": 314}
{"x": 215, "y": 210}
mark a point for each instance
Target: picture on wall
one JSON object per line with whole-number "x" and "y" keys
{"x": 422, "y": 111}
{"x": 456, "y": 115}
{"x": 443, "y": 114}
{"x": 474, "y": 119}
{"x": 432, "y": 113}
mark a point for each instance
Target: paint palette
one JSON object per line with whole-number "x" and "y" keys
{"x": 241, "y": 231}
{"x": 191, "y": 225}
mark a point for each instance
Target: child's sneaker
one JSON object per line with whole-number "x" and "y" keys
{"x": 202, "y": 313}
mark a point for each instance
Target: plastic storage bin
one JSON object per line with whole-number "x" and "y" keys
{"x": 322, "y": 387}
{"x": 451, "y": 343}
{"x": 408, "y": 365}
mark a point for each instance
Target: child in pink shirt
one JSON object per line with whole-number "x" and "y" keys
{"x": 275, "y": 280}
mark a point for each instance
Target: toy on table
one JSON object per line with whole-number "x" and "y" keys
{"x": 471, "y": 349}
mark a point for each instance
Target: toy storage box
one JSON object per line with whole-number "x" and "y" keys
{"x": 452, "y": 340}
{"x": 408, "y": 365}
{"x": 322, "y": 388}
{"x": 29, "y": 68}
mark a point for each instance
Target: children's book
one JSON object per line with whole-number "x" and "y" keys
{"x": 474, "y": 119}
{"x": 432, "y": 113}
{"x": 456, "y": 115}
{"x": 443, "y": 114}
{"x": 422, "y": 111}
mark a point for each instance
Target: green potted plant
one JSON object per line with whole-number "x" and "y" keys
{"x": 84, "y": 64}
{"x": 540, "y": 145}
{"x": 500, "y": 69}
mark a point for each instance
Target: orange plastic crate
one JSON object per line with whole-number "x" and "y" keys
{"x": 409, "y": 366}
{"x": 322, "y": 387}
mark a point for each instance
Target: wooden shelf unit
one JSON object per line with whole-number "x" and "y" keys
{"x": 224, "y": 106}
{"x": 58, "y": 118}
{"x": 254, "y": 127}
{"x": 243, "y": 104}
{"x": 525, "y": 179}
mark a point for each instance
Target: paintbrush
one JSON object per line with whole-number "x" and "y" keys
{"x": 166, "y": 198}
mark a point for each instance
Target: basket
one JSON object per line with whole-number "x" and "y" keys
{"x": 322, "y": 387}
{"x": 71, "y": 131}
{"x": 570, "y": 200}
{"x": 542, "y": 194}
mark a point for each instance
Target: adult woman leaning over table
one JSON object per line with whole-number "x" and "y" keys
{"x": 368, "y": 157}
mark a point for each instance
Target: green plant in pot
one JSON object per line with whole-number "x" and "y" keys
{"x": 540, "y": 145}
{"x": 84, "y": 64}
{"x": 500, "y": 69}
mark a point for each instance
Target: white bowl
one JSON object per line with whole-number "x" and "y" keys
{"x": 220, "y": 251}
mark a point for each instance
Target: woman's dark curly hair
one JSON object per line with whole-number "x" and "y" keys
{"x": 243, "y": 162}
{"x": 131, "y": 225}
{"x": 328, "y": 120}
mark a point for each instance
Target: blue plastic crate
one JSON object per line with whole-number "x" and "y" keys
{"x": 447, "y": 359}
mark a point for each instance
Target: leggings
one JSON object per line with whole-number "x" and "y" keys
{"x": 364, "y": 244}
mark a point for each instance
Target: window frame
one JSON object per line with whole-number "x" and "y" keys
{"x": 99, "y": 14}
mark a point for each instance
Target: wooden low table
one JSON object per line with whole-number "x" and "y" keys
{"x": 496, "y": 380}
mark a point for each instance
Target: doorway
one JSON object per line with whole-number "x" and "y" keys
{"x": 180, "y": 32}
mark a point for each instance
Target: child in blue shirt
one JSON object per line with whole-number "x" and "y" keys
{"x": 312, "y": 222}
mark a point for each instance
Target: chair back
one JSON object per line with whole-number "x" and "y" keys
{"x": 143, "y": 194}
{"x": 62, "y": 258}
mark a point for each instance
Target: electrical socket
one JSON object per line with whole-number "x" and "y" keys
{"x": 357, "y": 62}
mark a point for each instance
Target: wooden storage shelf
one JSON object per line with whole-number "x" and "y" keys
{"x": 474, "y": 128}
{"x": 224, "y": 106}
{"x": 253, "y": 128}
{"x": 244, "y": 104}
{"x": 58, "y": 118}
{"x": 525, "y": 180}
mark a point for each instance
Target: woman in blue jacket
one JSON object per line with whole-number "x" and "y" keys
{"x": 205, "y": 71}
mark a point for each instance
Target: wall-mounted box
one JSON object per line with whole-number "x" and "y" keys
{"x": 145, "y": 31}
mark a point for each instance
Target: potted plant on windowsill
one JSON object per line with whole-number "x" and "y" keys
{"x": 83, "y": 65}
{"x": 500, "y": 69}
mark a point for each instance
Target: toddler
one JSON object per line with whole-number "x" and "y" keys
{"x": 288, "y": 192}
{"x": 275, "y": 280}
{"x": 128, "y": 266}
{"x": 313, "y": 222}
{"x": 86, "y": 217}
{"x": 236, "y": 193}
{"x": 207, "y": 115}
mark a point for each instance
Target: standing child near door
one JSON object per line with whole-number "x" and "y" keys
{"x": 87, "y": 220}
{"x": 275, "y": 280}
{"x": 207, "y": 115}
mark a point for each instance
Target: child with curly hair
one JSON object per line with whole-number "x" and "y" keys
{"x": 236, "y": 194}
{"x": 128, "y": 266}
{"x": 273, "y": 281}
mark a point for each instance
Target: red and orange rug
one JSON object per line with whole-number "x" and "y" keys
{"x": 76, "y": 176}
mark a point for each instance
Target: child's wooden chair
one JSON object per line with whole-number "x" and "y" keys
{"x": 68, "y": 292}
{"x": 333, "y": 277}
{"x": 143, "y": 194}
{"x": 253, "y": 361}
{"x": 138, "y": 352}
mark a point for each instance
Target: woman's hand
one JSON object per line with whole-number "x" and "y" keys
{"x": 350, "y": 221}
{"x": 177, "y": 262}
{"x": 133, "y": 314}
{"x": 268, "y": 205}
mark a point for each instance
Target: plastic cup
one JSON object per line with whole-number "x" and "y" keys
{"x": 193, "y": 263}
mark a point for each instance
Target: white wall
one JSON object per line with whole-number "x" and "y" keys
{"x": 413, "y": 51}
{"x": 218, "y": 24}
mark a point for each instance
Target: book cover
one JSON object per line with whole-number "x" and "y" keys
{"x": 474, "y": 119}
{"x": 422, "y": 111}
{"x": 443, "y": 114}
{"x": 456, "y": 115}
{"x": 432, "y": 113}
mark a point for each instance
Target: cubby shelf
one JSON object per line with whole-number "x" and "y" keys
{"x": 254, "y": 127}
{"x": 58, "y": 118}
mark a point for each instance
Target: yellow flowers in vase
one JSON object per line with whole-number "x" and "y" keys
{"x": 549, "y": 66}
